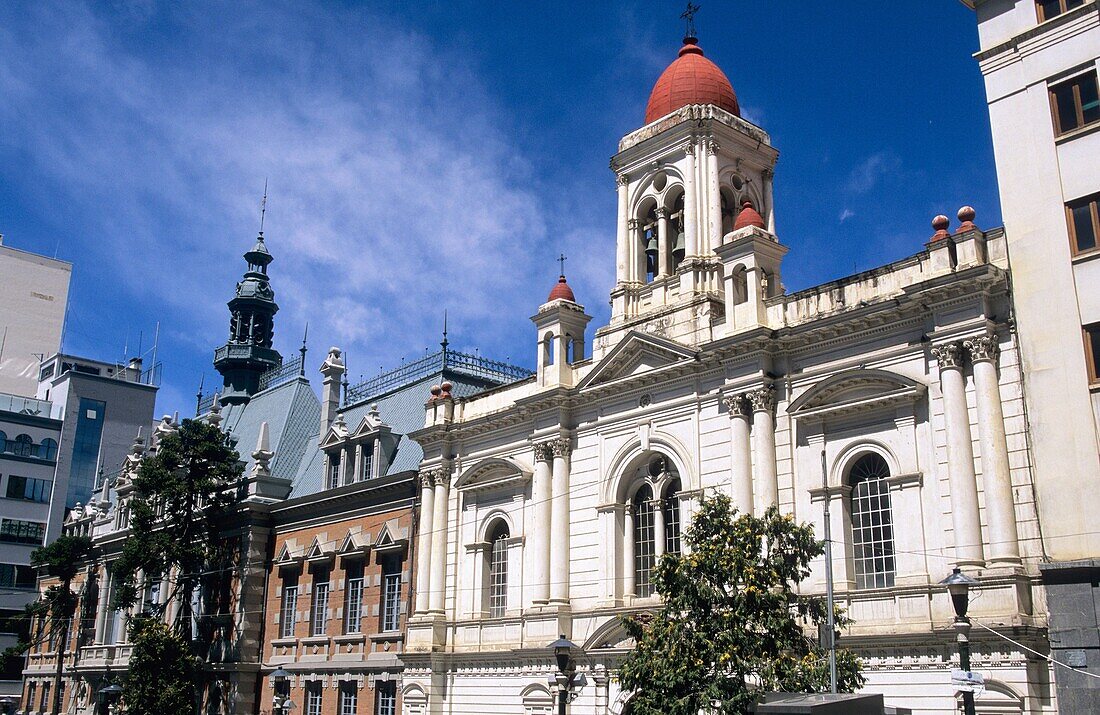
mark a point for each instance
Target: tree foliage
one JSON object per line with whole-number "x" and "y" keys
{"x": 181, "y": 494}
{"x": 164, "y": 675}
{"x": 731, "y": 623}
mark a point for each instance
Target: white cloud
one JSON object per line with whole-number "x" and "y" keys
{"x": 395, "y": 189}
{"x": 868, "y": 173}
{"x": 846, "y": 214}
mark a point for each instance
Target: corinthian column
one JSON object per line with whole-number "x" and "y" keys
{"x": 763, "y": 432}
{"x": 622, "y": 235}
{"x": 424, "y": 543}
{"x": 628, "y": 551}
{"x": 1000, "y": 511}
{"x": 714, "y": 199}
{"x": 538, "y": 539}
{"x": 559, "y": 523}
{"x": 960, "y": 457}
{"x": 438, "y": 580}
{"x": 740, "y": 453}
{"x": 691, "y": 229}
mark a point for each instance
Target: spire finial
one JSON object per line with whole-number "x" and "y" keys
{"x": 263, "y": 208}
{"x": 302, "y": 350}
{"x": 689, "y": 18}
{"x": 198, "y": 395}
{"x": 561, "y": 262}
{"x": 445, "y": 342}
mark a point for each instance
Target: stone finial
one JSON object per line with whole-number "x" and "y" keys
{"x": 446, "y": 386}
{"x": 966, "y": 216}
{"x": 333, "y": 366}
{"x": 262, "y": 454}
{"x": 940, "y": 224}
{"x": 437, "y": 391}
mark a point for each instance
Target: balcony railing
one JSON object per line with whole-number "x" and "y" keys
{"x": 491, "y": 371}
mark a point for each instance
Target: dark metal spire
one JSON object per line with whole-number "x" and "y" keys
{"x": 302, "y": 350}
{"x": 689, "y": 17}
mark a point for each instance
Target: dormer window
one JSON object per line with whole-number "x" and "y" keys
{"x": 334, "y": 470}
{"x": 366, "y": 470}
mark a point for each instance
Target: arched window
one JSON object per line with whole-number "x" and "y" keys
{"x": 22, "y": 445}
{"x": 48, "y": 449}
{"x": 670, "y": 504}
{"x": 676, "y": 236}
{"x": 872, "y": 522}
{"x": 548, "y": 349}
{"x": 644, "y": 551}
{"x": 650, "y": 245}
{"x": 498, "y": 570}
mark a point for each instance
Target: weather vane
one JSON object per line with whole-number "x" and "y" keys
{"x": 263, "y": 208}
{"x": 689, "y": 17}
{"x": 561, "y": 261}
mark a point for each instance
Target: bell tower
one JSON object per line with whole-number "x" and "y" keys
{"x": 248, "y": 352}
{"x": 683, "y": 180}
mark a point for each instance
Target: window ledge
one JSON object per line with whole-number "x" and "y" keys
{"x": 315, "y": 640}
{"x": 1077, "y": 133}
{"x": 387, "y": 636}
{"x": 1085, "y": 256}
{"x": 349, "y": 638}
{"x": 284, "y": 641}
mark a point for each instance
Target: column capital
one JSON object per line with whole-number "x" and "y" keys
{"x": 426, "y": 479}
{"x": 949, "y": 356}
{"x": 543, "y": 452}
{"x": 561, "y": 447}
{"x": 662, "y": 212}
{"x": 633, "y": 224}
{"x": 689, "y": 148}
{"x": 712, "y": 147}
{"x": 762, "y": 399}
{"x": 737, "y": 405}
{"x": 438, "y": 476}
{"x": 767, "y": 173}
{"x": 983, "y": 349}
{"x": 622, "y": 179}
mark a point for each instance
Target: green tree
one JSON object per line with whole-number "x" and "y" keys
{"x": 164, "y": 674}
{"x": 54, "y": 610}
{"x": 182, "y": 492}
{"x": 731, "y": 624}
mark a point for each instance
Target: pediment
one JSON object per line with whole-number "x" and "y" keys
{"x": 856, "y": 390}
{"x": 320, "y": 549}
{"x": 391, "y": 537}
{"x": 334, "y": 437}
{"x": 290, "y": 555}
{"x": 492, "y": 473}
{"x": 355, "y": 542}
{"x": 370, "y": 424}
{"x": 637, "y": 354}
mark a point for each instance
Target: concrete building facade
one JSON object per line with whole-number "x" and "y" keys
{"x": 35, "y": 291}
{"x": 1040, "y": 61}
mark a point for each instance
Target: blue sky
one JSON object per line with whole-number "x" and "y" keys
{"x": 433, "y": 155}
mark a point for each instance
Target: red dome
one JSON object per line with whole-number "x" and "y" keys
{"x": 562, "y": 290}
{"x": 690, "y": 79}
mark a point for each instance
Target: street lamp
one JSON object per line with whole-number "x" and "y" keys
{"x": 958, "y": 585}
{"x": 111, "y": 694}
{"x": 6, "y": 704}
{"x": 280, "y": 682}
{"x": 567, "y": 679}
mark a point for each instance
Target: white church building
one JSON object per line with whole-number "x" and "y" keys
{"x": 546, "y": 502}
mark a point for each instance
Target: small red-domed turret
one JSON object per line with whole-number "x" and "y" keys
{"x": 748, "y": 217}
{"x": 562, "y": 290}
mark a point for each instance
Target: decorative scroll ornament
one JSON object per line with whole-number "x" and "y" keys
{"x": 544, "y": 452}
{"x": 983, "y": 349}
{"x": 949, "y": 356}
{"x": 762, "y": 399}
{"x": 622, "y": 179}
{"x": 737, "y": 405}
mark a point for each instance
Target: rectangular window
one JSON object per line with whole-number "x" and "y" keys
{"x": 1092, "y": 352}
{"x": 289, "y": 609}
{"x": 46, "y": 696}
{"x": 313, "y": 699}
{"x": 86, "y": 442}
{"x": 385, "y": 699}
{"x": 31, "y": 687}
{"x": 1075, "y": 102}
{"x": 14, "y": 531}
{"x": 16, "y": 576}
{"x": 320, "y": 603}
{"x": 1083, "y": 216}
{"x": 1053, "y": 8}
{"x": 29, "y": 489}
{"x": 353, "y": 598}
{"x": 391, "y": 594}
{"x": 367, "y": 470}
{"x": 349, "y": 699}
{"x": 333, "y": 471}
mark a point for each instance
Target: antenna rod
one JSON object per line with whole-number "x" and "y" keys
{"x": 156, "y": 342}
{"x": 830, "y": 623}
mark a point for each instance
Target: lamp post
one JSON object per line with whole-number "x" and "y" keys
{"x": 6, "y": 704}
{"x": 111, "y": 695}
{"x": 280, "y": 683}
{"x": 567, "y": 679}
{"x": 958, "y": 585}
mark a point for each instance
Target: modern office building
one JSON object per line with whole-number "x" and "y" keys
{"x": 1040, "y": 60}
{"x": 34, "y": 292}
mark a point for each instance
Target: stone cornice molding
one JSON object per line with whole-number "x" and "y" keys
{"x": 949, "y": 356}
{"x": 983, "y": 349}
